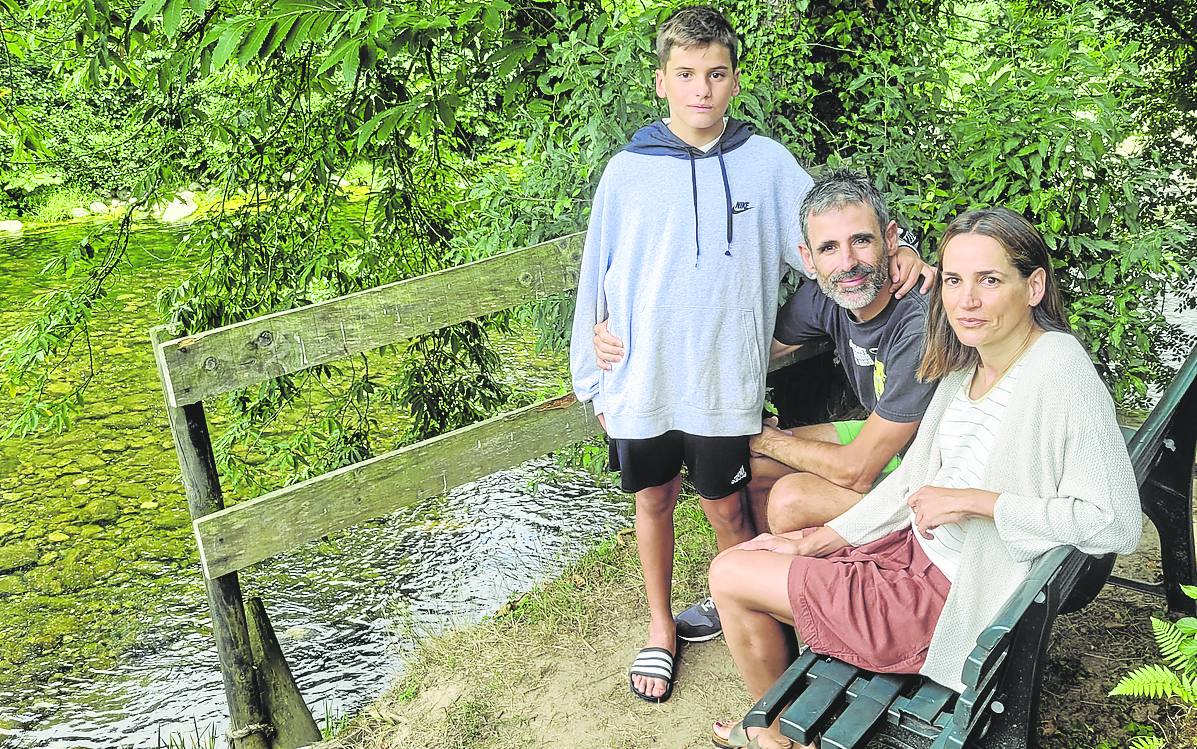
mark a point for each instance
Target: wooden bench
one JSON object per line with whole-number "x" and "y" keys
{"x": 819, "y": 697}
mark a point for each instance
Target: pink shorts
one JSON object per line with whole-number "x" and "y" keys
{"x": 874, "y": 606}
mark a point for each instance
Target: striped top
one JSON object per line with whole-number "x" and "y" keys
{"x": 966, "y": 436}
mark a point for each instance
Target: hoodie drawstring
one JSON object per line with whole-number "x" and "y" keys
{"x": 726, "y": 194}
{"x": 694, "y": 193}
{"x": 726, "y": 197}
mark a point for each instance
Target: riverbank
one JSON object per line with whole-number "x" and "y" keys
{"x": 550, "y": 669}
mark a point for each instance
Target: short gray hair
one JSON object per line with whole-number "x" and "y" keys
{"x": 843, "y": 187}
{"x": 695, "y": 26}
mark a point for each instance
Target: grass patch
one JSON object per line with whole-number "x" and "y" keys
{"x": 458, "y": 683}
{"x": 56, "y": 203}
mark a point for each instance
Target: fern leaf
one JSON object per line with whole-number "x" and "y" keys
{"x": 1149, "y": 681}
{"x": 1146, "y": 742}
{"x": 1169, "y": 639}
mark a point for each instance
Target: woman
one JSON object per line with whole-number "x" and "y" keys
{"x": 1018, "y": 453}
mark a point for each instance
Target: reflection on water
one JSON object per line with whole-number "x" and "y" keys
{"x": 344, "y": 609}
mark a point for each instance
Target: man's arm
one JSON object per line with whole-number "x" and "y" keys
{"x": 854, "y": 466}
{"x": 777, "y": 349}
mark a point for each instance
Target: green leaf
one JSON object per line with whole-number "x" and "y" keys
{"x": 227, "y": 44}
{"x": 252, "y": 45}
{"x": 148, "y": 9}
{"x": 1189, "y": 590}
{"x": 339, "y": 53}
{"x": 172, "y": 16}
{"x": 349, "y": 66}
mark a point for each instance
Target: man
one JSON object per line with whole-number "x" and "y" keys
{"x": 811, "y": 474}
{"x": 805, "y": 477}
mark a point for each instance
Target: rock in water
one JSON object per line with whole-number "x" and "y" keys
{"x": 12, "y": 226}
{"x": 177, "y": 210}
{"x": 79, "y": 212}
{"x": 98, "y": 206}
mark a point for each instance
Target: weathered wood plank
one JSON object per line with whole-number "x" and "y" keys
{"x": 294, "y": 726}
{"x": 239, "y": 536}
{"x": 189, "y": 428}
{"x": 246, "y": 353}
{"x": 260, "y": 528}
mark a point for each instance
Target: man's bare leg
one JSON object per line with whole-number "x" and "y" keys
{"x": 766, "y": 472}
{"x": 804, "y": 500}
{"x": 750, "y": 591}
{"x": 654, "y": 541}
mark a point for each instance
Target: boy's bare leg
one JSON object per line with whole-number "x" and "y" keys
{"x": 765, "y": 473}
{"x": 730, "y": 520}
{"x": 751, "y": 593}
{"x": 654, "y": 541}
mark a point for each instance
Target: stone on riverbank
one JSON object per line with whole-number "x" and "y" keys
{"x": 11, "y": 585}
{"x": 11, "y": 226}
{"x": 79, "y": 212}
{"x": 17, "y": 556}
{"x": 100, "y": 512}
{"x": 98, "y": 206}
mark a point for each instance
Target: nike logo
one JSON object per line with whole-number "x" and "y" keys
{"x": 741, "y": 207}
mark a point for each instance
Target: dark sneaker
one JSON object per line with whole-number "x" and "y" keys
{"x": 699, "y": 623}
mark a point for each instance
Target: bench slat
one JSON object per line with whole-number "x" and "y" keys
{"x": 829, "y": 679}
{"x": 767, "y": 708}
{"x": 928, "y": 702}
{"x": 869, "y": 706}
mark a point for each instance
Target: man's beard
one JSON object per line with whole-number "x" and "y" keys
{"x": 876, "y": 277}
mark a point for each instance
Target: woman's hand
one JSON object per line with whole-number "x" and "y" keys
{"x": 777, "y": 544}
{"x": 935, "y": 506}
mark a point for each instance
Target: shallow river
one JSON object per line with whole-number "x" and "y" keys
{"x": 104, "y": 640}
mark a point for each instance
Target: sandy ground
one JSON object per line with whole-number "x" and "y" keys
{"x": 504, "y": 685}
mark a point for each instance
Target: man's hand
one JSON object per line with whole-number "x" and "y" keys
{"x": 607, "y": 348}
{"x": 602, "y": 421}
{"x": 759, "y": 445}
{"x": 935, "y": 506}
{"x": 906, "y": 268}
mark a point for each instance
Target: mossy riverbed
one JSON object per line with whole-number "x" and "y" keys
{"x": 95, "y": 539}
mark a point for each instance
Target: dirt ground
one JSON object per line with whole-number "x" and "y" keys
{"x": 503, "y": 685}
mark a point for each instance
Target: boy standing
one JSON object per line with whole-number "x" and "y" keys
{"x": 690, "y": 229}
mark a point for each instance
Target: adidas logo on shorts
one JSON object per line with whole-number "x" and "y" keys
{"x": 740, "y": 475}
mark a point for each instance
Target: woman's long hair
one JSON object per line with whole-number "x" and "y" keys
{"x": 942, "y": 350}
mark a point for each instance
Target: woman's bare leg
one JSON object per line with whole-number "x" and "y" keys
{"x": 750, "y": 591}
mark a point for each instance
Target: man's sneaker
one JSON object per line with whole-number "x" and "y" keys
{"x": 699, "y": 623}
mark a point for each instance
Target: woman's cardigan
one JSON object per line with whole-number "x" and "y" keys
{"x": 1060, "y": 466}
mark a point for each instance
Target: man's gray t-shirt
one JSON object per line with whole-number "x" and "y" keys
{"x": 880, "y": 356}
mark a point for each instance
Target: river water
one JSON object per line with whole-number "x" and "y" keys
{"x": 104, "y": 637}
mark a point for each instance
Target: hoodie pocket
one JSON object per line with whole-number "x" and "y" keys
{"x": 705, "y": 358}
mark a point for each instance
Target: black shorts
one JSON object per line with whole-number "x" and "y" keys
{"x": 718, "y": 466}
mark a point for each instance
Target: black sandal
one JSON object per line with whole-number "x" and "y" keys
{"x": 655, "y": 663}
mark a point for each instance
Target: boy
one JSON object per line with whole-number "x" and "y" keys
{"x": 691, "y": 227}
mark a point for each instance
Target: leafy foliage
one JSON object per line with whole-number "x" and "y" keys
{"x": 1177, "y": 642}
{"x": 481, "y": 127}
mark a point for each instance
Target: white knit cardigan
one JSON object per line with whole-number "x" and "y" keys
{"x": 1060, "y": 466}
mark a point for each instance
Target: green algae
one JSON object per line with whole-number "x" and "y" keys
{"x": 95, "y": 536}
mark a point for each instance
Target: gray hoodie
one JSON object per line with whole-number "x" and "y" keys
{"x": 684, "y": 256}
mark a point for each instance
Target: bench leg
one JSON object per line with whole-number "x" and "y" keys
{"x": 1169, "y": 512}
{"x": 1167, "y": 498}
{"x": 1015, "y": 726}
